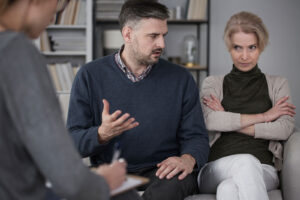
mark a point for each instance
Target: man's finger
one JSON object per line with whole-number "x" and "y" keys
{"x": 161, "y": 169}
{"x": 121, "y": 120}
{"x": 115, "y": 115}
{"x": 182, "y": 175}
{"x": 105, "y": 107}
{"x": 165, "y": 172}
{"x": 173, "y": 173}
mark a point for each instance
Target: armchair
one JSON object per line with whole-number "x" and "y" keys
{"x": 290, "y": 174}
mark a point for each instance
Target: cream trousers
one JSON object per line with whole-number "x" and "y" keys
{"x": 238, "y": 177}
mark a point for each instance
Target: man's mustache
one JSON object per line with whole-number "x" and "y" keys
{"x": 158, "y": 50}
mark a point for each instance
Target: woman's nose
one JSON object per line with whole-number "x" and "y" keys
{"x": 244, "y": 55}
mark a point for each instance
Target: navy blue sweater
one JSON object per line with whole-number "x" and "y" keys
{"x": 165, "y": 103}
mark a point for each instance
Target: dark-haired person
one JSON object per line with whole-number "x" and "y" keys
{"x": 249, "y": 114}
{"x": 148, "y": 105}
{"x": 34, "y": 143}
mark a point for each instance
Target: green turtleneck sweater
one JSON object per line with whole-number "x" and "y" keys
{"x": 244, "y": 93}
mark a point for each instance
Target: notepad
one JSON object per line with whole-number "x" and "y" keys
{"x": 131, "y": 182}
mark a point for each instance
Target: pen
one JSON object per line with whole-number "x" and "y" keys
{"x": 116, "y": 152}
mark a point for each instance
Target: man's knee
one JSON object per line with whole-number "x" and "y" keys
{"x": 174, "y": 188}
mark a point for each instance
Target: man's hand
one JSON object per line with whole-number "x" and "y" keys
{"x": 173, "y": 165}
{"x": 213, "y": 103}
{"x": 114, "y": 174}
{"x": 280, "y": 108}
{"x": 113, "y": 125}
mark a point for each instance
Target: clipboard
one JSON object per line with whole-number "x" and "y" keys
{"x": 132, "y": 181}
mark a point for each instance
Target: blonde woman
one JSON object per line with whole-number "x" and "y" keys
{"x": 34, "y": 143}
{"x": 247, "y": 113}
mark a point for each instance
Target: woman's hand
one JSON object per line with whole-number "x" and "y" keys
{"x": 213, "y": 103}
{"x": 280, "y": 108}
{"x": 114, "y": 174}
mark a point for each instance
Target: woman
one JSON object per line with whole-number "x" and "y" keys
{"x": 248, "y": 113}
{"x": 34, "y": 143}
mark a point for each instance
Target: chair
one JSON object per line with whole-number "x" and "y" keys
{"x": 290, "y": 174}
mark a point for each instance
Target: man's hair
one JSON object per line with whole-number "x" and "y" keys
{"x": 134, "y": 10}
{"x": 4, "y": 4}
{"x": 248, "y": 23}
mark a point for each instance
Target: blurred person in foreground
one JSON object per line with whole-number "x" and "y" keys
{"x": 34, "y": 143}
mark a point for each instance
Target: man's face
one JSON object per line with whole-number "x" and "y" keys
{"x": 148, "y": 40}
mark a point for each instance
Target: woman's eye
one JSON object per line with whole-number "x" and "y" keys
{"x": 252, "y": 47}
{"x": 236, "y": 47}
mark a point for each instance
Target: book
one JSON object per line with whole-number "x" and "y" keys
{"x": 132, "y": 181}
{"x": 197, "y": 9}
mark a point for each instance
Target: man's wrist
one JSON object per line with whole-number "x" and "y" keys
{"x": 100, "y": 136}
{"x": 190, "y": 158}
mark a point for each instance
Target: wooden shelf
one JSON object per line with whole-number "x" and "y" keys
{"x": 71, "y": 27}
{"x": 197, "y": 67}
{"x": 64, "y": 53}
{"x": 171, "y": 21}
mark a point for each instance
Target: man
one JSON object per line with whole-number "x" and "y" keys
{"x": 161, "y": 134}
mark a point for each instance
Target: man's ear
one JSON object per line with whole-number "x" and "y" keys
{"x": 127, "y": 34}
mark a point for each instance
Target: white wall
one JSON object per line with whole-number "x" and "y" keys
{"x": 282, "y": 55}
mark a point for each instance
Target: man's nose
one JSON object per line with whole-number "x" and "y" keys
{"x": 161, "y": 42}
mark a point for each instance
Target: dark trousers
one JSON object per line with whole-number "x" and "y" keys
{"x": 129, "y": 195}
{"x": 167, "y": 189}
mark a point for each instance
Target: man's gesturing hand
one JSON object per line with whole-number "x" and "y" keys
{"x": 113, "y": 124}
{"x": 173, "y": 165}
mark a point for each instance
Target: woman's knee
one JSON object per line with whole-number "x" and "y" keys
{"x": 246, "y": 162}
{"x": 227, "y": 189}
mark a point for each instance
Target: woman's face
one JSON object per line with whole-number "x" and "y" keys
{"x": 39, "y": 16}
{"x": 244, "y": 51}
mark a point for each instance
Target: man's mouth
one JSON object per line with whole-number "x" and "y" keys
{"x": 157, "y": 52}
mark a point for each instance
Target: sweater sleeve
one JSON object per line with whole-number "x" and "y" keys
{"x": 192, "y": 132}
{"x": 34, "y": 108}
{"x": 80, "y": 120}
{"x": 283, "y": 127}
{"x": 217, "y": 120}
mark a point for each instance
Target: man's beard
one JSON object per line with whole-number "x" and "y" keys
{"x": 146, "y": 60}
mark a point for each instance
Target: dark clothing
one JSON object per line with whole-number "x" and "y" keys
{"x": 245, "y": 93}
{"x": 165, "y": 103}
{"x": 34, "y": 143}
{"x": 162, "y": 189}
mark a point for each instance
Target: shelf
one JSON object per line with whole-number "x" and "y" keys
{"x": 71, "y": 27}
{"x": 171, "y": 21}
{"x": 64, "y": 53}
{"x": 196, "y": 67}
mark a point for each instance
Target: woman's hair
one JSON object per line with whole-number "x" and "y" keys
{"x": 134, "y": 10}
{"x": 248, "y": 23}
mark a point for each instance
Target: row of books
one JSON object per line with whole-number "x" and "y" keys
{"x": 62, "y": 75}
{"x": 108, "y": 9}
{"x": 196, "y": 10}
{"x": 73, "y": 14}
{"x": 60, "y": 41}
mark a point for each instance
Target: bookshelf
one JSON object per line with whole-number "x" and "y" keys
{"x": 68, "y": 44}
{"x": 188, "y": 23}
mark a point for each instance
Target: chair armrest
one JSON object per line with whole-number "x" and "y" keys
{"x": 291, "y": 167}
